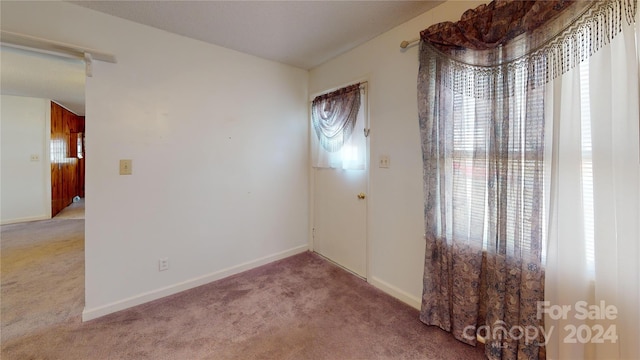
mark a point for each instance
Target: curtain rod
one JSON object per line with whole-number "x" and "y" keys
{"x": 362, "y": 83}
{"x": 406, "y": 43}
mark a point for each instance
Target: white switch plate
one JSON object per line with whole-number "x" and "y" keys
{"x": 163, "y": 264}
{"x": 35, "y": 157}
{"x": 126, "y": 167}
{"x": 385, "y": 161}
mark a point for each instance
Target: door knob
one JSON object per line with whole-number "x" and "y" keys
{"x": 361, "y": 196}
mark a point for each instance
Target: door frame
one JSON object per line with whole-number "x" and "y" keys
{"x": 312, "y": 185}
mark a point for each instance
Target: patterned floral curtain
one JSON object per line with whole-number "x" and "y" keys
{"x": 481, "y": 93}
{"x": 334, "y": 116}
{"x": 338, "y": 122}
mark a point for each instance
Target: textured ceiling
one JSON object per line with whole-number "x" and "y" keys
{"x": 301, "y": 33}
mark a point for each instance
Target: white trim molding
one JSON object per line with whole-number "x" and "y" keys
{"x": 94, "y": 313}
{"x": 397, "y": 293}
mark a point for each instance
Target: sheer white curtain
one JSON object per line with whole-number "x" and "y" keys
{"x": 351, "y": 155}
{"x": 596, "y": 167}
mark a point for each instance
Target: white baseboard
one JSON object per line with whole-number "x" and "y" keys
{"x": 401, "y": 295}
{"x": 25, "y": 219}
{"x": 93, "y": 313}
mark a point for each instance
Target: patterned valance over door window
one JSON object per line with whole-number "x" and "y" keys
{"x": 338, "y": 129}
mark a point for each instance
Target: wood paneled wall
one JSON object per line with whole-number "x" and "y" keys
{"x": 67, "y": 170}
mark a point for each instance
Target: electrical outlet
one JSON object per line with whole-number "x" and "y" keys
{"x": 35, "y": 157}
{"x": 163, "y": 264}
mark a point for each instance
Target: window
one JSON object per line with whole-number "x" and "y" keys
{"x": 483, "y": 150}
{"x": 331, "y": 114}
{"x": 587, "y": 168}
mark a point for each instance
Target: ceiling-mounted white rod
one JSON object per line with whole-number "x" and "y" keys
{"x": 88, "y": 64}
{"x": 27, "y": 41}
{"x": 406, "y": 43}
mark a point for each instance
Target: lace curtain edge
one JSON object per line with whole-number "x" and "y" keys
{"x": 333, "y": 127}
{"x": 542, "y": 55}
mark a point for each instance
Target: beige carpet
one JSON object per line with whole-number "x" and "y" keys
{"x": 74, "y": 211}
{"x": 302, "y": 307}
{"x": 42, "y": 276}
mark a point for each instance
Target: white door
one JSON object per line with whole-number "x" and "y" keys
{"x": 340, "y": 218}
{"x": 340, "y": 207}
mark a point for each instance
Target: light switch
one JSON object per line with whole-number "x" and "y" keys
{"x": 35, "y": 157}
{"x": 125, "y": 167}
{"x": 385, "y": 161}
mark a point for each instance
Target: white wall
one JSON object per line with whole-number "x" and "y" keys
{"x": 219, "y": 146}
{"x": 395, "y": 224}
{"x": 25, "y": 184}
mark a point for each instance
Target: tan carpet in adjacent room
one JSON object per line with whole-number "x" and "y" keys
{"x": 302, "y": 307}
{"x": 74, "y": 211}
{"x": 42, "y": 276}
